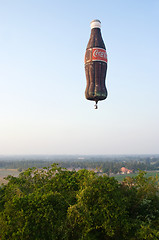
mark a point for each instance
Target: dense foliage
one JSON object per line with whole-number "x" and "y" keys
{"x": 54, "y": 203}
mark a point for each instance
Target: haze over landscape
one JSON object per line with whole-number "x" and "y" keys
{"x": 42, "y": 78}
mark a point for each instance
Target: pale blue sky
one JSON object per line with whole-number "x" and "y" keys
{"x": 43, "y": 109}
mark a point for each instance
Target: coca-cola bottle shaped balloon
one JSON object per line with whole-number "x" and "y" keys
{"x": 95, "y": 65}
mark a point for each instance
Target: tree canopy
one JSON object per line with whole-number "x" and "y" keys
{"x": 54, "y": 203}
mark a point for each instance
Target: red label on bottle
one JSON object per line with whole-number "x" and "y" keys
{"x": 95, "y": 54}
{"x": 99, "y": 54}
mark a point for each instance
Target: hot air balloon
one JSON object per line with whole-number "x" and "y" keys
{"x": 95, "y": 65}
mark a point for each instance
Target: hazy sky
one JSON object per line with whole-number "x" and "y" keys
{"x": 43, "y": 109}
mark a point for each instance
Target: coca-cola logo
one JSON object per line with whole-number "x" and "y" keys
{"x": 95, "y": 54}
{"x": 99, "y": 54}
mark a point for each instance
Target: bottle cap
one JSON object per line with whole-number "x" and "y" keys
{"x": 95, "y": 24}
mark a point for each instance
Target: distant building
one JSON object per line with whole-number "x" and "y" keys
{"x": 125, "y": 170}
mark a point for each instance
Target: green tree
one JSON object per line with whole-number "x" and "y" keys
{"x": 100, "y": 212}
{"x": 34, "y": 205}
{"x": 143, "y": 205}
{"x": 57, "y": 204}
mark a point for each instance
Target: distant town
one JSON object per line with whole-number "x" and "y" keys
{"x": 108, "y": 164}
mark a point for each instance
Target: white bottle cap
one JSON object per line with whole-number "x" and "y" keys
{"x": 95, "y": 24}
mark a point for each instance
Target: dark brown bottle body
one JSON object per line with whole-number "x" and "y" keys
{"x": 95, "y": 66}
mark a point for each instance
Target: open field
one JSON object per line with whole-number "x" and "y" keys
{"x": 121, "y": 177}
{"x": 6, "y": 172}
